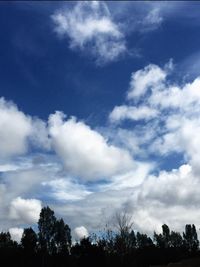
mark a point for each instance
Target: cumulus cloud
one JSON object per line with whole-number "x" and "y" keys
{"x": 80, "y": 232}
{"x": 19, "y": 131}
{"x": 39, "y": 136}
{"x": 177, "y": 126}
{"x": 16, "y": 233}
{"x": 89, "y": 26}
{"x": 175, "y": 191}
{"x": 15, "y": 127}
{"x": 84, "y": 152}
{"x": 169, "y": 196}
{"x": 25, "y": 210}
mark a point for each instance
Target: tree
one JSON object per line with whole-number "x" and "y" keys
{"x": 191, "y": 241}
{"x": 46, "y": 226}
{"x": 123, "y": 223}
{"x": 29, "y": 240}
{"x": 5, "y": 240}
{"x": 54, "y": 235}
{"x": 62, "y": 236}
{"x": 166, "y": 235}
{"x": 143, "y": 240}
{"x": 158, "y": 239}
{"x": 163, "y": 240}
{"x": 125, "y": 237}
{"x": 176, "y": 240}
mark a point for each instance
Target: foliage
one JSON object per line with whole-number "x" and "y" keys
{"x": 52, "y": 245}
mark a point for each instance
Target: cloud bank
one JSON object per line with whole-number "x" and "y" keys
{"x": 91, "y": 175}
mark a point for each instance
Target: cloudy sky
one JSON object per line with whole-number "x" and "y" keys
{"x": 100, "y": 113}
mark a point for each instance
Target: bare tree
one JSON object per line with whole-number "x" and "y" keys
{"x": 123, "y": 222}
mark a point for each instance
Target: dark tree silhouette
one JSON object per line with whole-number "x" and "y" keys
{"x": 29, "y": 240}
{"x": 46, "y": 227}
{"x": 143, "y": 240}
{"x": 166, "y": 235}
{"x": 5, "y": 240}
{"x": 163, "y": 240}
{"x": 62, "y": 237}
{"x": 120, "y": 247}
{"x": 191, "y": 241}
{"x": 176, "y": 240}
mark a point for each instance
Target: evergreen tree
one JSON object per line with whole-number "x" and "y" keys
{"x": 191, "y": 241}
{"x": 62, "y": 236}
{"x": 166, "y": 235}
{"x": 143, "y": 240}
{"x": 176, "y": 240}
{"x": 46, "y": 226}
{"x": 5, "y": 240}
{"x": 29, "y": 240}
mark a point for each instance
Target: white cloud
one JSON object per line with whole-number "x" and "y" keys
{"x": 19, "y": 131}
{"x": 171, "y": 197}
{"x": 16, "y": 233}
{"x": 8, "y": 167}
{"x": 80, "y": 232}
{"x": 90, "y": 27}
{"x": 64, "y": 189}
{"x": 153, "y": 18}
{"x": 184, "y": 98}
{"x": 84, "y": 152}
{"x": 142, "y": 80}
{"x": 120, "y": 113}
{"x": 15, "y": 128}
{"x": 39, "y": 136}
{"x": 130, "y": 179}
{"x": 25, "y": 210}
{"x": 177, "y": 127}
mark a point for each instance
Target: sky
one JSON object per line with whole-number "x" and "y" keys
{"x": 100, "y": 114}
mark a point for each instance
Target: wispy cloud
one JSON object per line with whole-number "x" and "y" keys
{"x": 101, "y": 29}
{"x": 89, "y": 26}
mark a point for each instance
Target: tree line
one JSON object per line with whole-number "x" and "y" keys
{"x": 52, "y": 246}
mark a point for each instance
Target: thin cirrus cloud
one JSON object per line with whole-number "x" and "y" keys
{"x": 90, "y": 27}
{"x": 95, "y": 28}
{"x": 64, "y": 189}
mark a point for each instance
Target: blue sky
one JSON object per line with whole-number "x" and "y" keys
{"x": 99, "y": 113}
